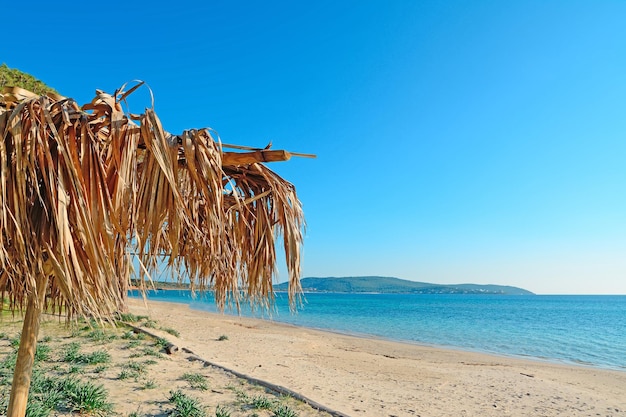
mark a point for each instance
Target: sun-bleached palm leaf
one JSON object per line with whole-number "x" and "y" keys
{"x": 83, "y": 187}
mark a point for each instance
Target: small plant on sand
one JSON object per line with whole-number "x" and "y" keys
{"x": 221, "y": 411}
{"x": 133, "y": 344}
{"x": 73, "y": 355}
{"x": 44, "y": 396}
{"x": 171, "y": 331}
{"x": 149, "y": 384}
{"x": 99, "y": 356}
{"x": 99, "y": 335}
{"x": 135, "y": 366}
{"x": 185, "y": 406}
{"x": 128, "y": 317}
{"x": 196, "y": 381}
{"x": 71, "y": 352}
{"x": 148, "y": 351}
{"x": 86, "y": 397}
{"x": 76, "y": 332}
{"x": 283, "y": 411}
{"x": 126, "y": 374}
{"x": 42, "y": 352}
{"x": 132, "y": 370}
{"x": 76, "y": 369}
{"x": 100, "y": 368}
{"x": 261, "y": 402}
{"x": 15, "y": 342}
{"x": 47, "y": 339}
{"x": 150, "y": 324}
{"x": 161, "y": 343}
{"x": 37, "y": 408}
{"x": 222, "y": 338}
{"x": 242, "y": 395}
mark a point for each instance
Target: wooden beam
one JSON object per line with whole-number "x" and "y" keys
{"x": 245, "y": 158}
{"x": 259, "y": 155}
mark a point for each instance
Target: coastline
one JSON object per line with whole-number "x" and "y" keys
{"x": 369, "y": 376}
{"x": 474, "y": 323}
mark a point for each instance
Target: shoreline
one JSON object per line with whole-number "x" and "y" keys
{"x": 376, "y": 376}
{"x": 547, "y": 360}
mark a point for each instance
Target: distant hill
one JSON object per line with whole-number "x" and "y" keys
{"x": 375, "y": 284}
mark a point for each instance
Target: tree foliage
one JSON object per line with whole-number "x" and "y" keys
{"x": 12, "y": 77}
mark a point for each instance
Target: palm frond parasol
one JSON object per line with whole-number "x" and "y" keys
{"x": 83, "y": 187}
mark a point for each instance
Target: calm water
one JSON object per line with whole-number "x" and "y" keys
{"x": 588, "y": 330}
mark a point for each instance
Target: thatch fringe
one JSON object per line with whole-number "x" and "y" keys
{"x": 82, "y": 188}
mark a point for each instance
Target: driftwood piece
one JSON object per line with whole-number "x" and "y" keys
{"x": 171, "y": 348}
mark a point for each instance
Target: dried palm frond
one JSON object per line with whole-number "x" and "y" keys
{"x": 81, "y": 188}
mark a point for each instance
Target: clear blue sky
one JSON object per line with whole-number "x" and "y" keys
{"x": 457, "y": 141}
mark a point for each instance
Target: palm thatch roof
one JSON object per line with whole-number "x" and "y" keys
{"x": 81, "y": 188}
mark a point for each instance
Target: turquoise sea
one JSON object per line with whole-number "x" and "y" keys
{"x": 587, "y": 330}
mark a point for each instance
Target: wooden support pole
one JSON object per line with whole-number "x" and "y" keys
{"x": 26, "y": 352}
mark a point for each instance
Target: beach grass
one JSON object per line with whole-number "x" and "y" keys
{"x": 88, "y": 369}
{"x": 196, "y": 380}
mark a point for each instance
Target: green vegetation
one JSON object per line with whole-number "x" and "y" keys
{"x": 150, "y": 324}
{"x": 283, "y": 411}
{"x": 73, "y": 355}
{"x": 132, "y": 370}
{"x": 149, "y": 384}
{"x": 15, "y": 341}
{"x": 42, "y": 352}
{"x": 68, "y": 393}
{"x": 126, "y": 374}
{"x": 99, "y": 335}
{"x": 149, "y": 351}
{"x": 73, "y": 377}
{"x": 171, "y": 331}
{"x": 161, "y": 343}
{"x": 11, "y": 77}
{"x": 222, "y": 338}
{"x": 221, "y": 411}
{"x": 185, "y": 406}
{"x": 128, "y": 317}
{"x": 100, "y": 368}
{"x": 86, "y": 397}
{"x": 261, "y": 402}
{"x": 196, "y": 381}
{"x": 376, "y": 284}
{"x": 134, "y": 343}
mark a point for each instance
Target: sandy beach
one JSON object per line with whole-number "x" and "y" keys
{"x": 371, "y": 377}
